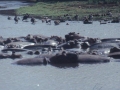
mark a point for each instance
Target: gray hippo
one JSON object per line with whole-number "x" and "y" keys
{"x": 63, "y": 58}
{"x": 19, "y": 44}
{"x": 103, "y": 47}
{"x": 47, "y": 44}
{"x": 115, "y": 55}
{"x": 110, "y": 40}
{"x": 36, "y": 38}
{"x": 77, "y": 58}
{"x": 73, "y": 36}
{"x": 12, "y": 56}
{"x": 38, "y": 60}
{"x": 70, "y": 44}
{"x": 32, "y": 61}
{"x": 14, "y": 49}
{"x": 3, "y": 56}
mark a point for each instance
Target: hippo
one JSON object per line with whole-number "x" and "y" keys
{"x": 115, "y": 55}
{"x": 115, "y": 21}
{"x": 110, "y": 40}
{"x": 36, "y": 38}
{"x": 57, "y": 39}
{"x": 14, "y": 49}
{"x": 102, "y": 48}
{"x": 87, "y": 58}
{"x": 39, "y": 46}
{"x": 114, "y": 49}
{"x": 63, "y": 58}
{"x": 70, "y": 44}
{"x": 38, "y": 60}
{"x": 32, "y": 61}
{"x": 49, "y": 43}
{"x": 4, "y": 56}
{"x": 77, "y": 58}
{"x": 12, "y": 56}
{"x": 9, "y": 40}
{"x": 19, "y": 44}
{"x": 104, "y": 45}
{"x": 73, "y": 36}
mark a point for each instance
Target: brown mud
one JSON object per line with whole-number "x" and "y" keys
{"x": 11, "y": 12}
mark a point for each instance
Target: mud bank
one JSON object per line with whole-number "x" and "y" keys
{"x": 8, "y": 12}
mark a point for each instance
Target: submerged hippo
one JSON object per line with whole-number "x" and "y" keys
{"x": 14, "y": 49}
{"x": 73, "y": 36}
{"x": 110, "y": 40}
{"x": 103, "y": 45}
{"x": 32, "y": 61}
{"x": 70, "y": 44}
{"x": 12, "y": 56}
{"x": 19, "y": 44}
{"x": 47, "y": 44}
{"x": 115, "y": 55}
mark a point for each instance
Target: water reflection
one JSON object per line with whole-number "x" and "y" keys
{"x": 64, "y": 66}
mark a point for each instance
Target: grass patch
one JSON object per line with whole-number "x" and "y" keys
{"x": 72, "y": 8}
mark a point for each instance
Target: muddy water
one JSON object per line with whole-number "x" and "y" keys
{"x": 82, "y": 77}
{"x": 23, "y": 28}
{"x": 11, "y": 5}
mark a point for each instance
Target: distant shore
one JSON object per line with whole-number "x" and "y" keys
{"x": 55, "y": 10}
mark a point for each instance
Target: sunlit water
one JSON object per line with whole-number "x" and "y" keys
{"x": 104, "y": 76}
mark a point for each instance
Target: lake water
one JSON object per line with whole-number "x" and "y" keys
{"x": 104, "y": 76}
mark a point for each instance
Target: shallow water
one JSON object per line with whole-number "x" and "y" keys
{"x": 109, "y": 30}
{"x": 11, "y": 4}
{"x": 104, "y": 76}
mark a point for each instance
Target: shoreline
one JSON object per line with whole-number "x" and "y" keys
{"x": 84, "y": 7}
{"x": 12, "y": 12}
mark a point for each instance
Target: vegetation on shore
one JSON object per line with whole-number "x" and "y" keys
{"x": 81, "y": 8}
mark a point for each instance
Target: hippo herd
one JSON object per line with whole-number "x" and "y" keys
{"x": 55, "y": 50}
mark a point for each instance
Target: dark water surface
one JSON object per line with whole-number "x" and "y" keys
{"x": 83, "y": 77}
